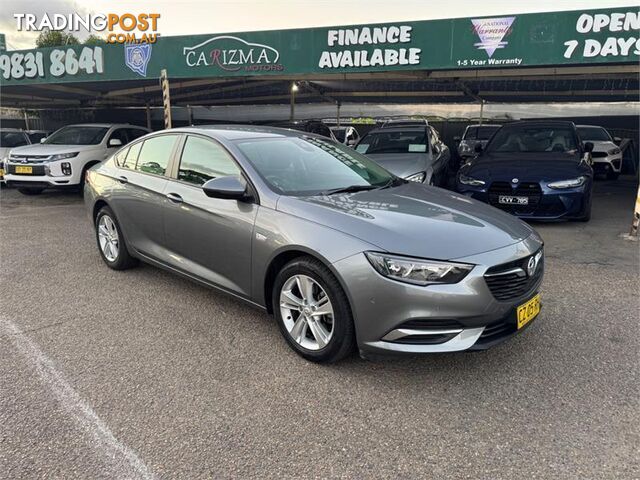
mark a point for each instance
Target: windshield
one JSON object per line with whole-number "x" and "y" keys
{"x": 534, "y": 140}
{"x": 310, "y": 166}
{"x": 594, "y": 134}
{"x": 480, "y": 133}
{"x": 77, "y": 136}
{"x": 394, "y": 141}
{"x": 13, "y": 139}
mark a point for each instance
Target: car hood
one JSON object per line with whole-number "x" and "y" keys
{"x": 603, "y": 146}
{"x": 413, "y": 219}
{"x": 402, "y": 164}
{"x": 527, "y": 167}
{"x": 46, "y": 149}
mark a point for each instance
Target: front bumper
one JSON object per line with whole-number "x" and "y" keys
{"x": 391, "y": 316}
{"x": 549, "y": 204}
{"x": 43, "y": 175}
{"x": 610, "y": 163}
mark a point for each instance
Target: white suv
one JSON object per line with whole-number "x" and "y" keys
{"x": 606, "y": 155}
{"x": 62, "y": 159}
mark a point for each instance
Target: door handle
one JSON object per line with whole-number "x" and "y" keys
{"x": 174, "y": 197}
{"x": 123, "y": 179}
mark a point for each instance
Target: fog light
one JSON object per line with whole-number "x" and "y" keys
{"x": 66, "y": 168}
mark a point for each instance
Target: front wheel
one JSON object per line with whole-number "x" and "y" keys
{"x": 313, "y": 311}
{"x": 111, "y": 245}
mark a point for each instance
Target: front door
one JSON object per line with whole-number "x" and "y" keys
{"x": 208, "y": 237}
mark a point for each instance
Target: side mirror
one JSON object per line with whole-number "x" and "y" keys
{"x": 228, "y": 188}
{"x": 43, "y": 139}
{"x": 588, "y": 147}
{"x": 115, "y": 142}
{"x": 477, "y": 147}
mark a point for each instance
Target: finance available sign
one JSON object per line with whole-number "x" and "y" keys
{"x": 593, "y": 37}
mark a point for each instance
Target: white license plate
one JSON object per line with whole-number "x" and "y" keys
{"x": 507, "y": 200}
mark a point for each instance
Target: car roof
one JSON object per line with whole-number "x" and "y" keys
{"x": 590, "y": 126}
{"x": 8, "y": 129}
{"x": 484, "y": 125}
{"x": 238, "y": 132}
{"x": 399, "y": 128}
{"x": 555, "y": 123}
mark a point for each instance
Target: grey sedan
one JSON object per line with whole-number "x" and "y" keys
{"x": 342, "y": 252}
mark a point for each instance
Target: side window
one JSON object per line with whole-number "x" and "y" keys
{"x": 121, "y": 156}
{"x": 155, "y": 154}
{"x": 119, "y": 134}
{"x": 131, "y": 157}
{"x": 134, "y": 133}
{"x": 203, "y": 160}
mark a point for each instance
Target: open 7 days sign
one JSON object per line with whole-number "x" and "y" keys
{"x": 595, "y": 37}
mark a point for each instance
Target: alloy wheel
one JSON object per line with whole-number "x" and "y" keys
{"x": 108, "y": 238}
{"x": 307, "y": 312}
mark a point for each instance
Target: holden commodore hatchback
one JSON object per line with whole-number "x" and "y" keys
{"x": 343, "y": 253}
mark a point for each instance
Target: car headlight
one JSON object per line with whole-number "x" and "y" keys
{"x": 470, "y": 181}
{"x": 417, "y": 271}
{"x": 613, "y": 151}
{"x": 571, "y": 183}
{"x": 62, "y": 156}
{"x": 416, "y": 177}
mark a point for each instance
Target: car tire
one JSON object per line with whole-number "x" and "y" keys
{"x": 31, "y": 191}
{"x": 300, "y": 273}
{"x": 611, "y": 175}
{"x": 115, "y": 255}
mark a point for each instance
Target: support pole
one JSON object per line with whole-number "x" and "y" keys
{"x": 190, "y": 115}
{"x": 148, "y": 111}
{"x": 294, "y": 89}
{"x": 26, "y": 119}
{"x": 338, "y": 113}
{"x": 166, "y": 99}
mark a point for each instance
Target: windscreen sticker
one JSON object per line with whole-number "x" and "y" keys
{"x": 417, "y": 148}
{"x": 362, "y": 148}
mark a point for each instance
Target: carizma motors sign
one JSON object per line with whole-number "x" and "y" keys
{"x": 233, "y": 54}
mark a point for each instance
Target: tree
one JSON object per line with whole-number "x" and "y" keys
{"x": 55, "y": 38}
{"x": 93, "y": 40}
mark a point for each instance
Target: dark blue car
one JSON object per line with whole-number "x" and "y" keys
{"x": 537, "y": 170}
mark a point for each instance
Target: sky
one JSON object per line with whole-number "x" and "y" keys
{"x": 219, "y": 16}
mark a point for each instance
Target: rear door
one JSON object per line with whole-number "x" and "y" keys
{"x": 138, "y": 197}
{"x": 208, "y": 237}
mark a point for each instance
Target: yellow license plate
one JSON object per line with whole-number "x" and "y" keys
{"x": 28, "y": 170}
{"x": 528, "y": 311}
{"x": 1, "y": 172}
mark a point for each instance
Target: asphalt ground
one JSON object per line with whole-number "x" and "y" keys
{"x": 141, "y": 374}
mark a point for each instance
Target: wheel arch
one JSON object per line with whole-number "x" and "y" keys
{"x": 281, "y": 258}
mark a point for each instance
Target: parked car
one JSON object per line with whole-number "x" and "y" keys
{"x": 346, "y": 135}
{"x": 537, "y": 170}
{"x": 607, "y": 156}
{"x": 10, "y": 138}
{"x": 341, "y": 251}
{"x": 63, "y": 158}
{"x": 412, "y": 152}
{"x": 473, "y": 135}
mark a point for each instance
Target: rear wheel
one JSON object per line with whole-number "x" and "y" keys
{"x": 30, "y": 191}
{"x": 313, "y": 312}
{"x": 111, "y": 245}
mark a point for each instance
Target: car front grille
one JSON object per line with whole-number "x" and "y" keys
{"x": 28, "y": 158}
{"x": 598, "y": 154}
{"x": 531, "y": 190}
{"x": 511, "y": 280}
{"x": 35, "y": 170}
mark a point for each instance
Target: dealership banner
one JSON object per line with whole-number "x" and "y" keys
{"x": 588, "y": 37}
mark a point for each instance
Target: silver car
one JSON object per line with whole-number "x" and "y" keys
{"x": 342, "y": 252}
